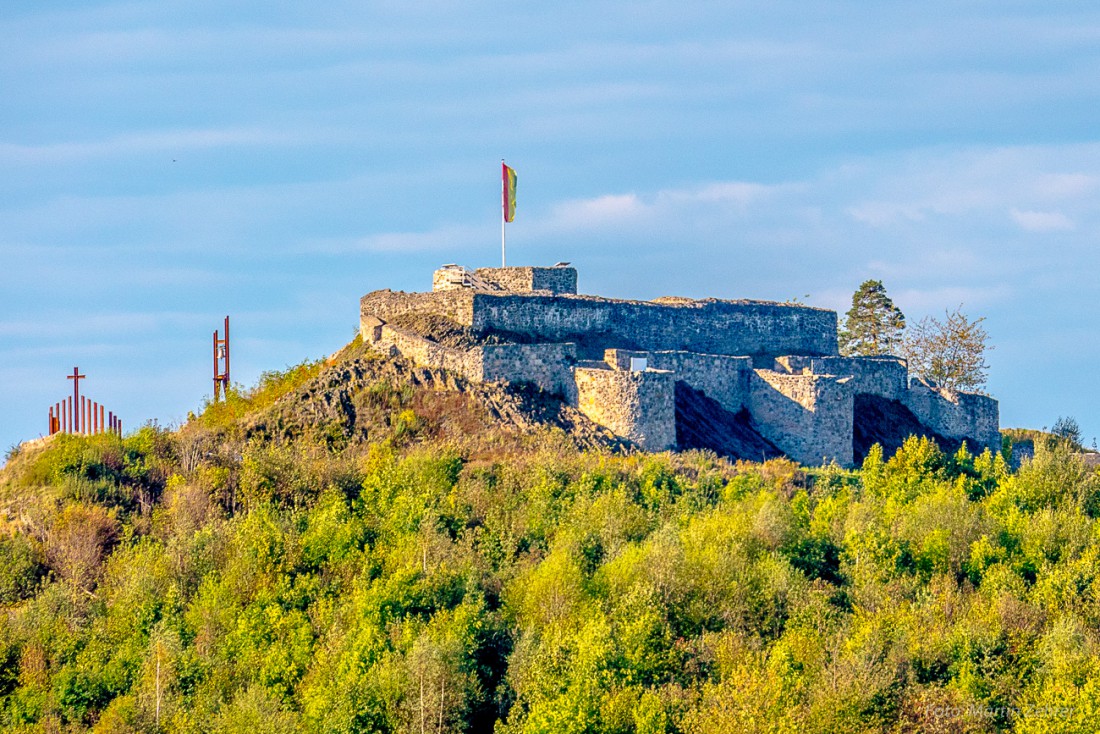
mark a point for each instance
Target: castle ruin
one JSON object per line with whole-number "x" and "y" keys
{"x": 647, "y": 370}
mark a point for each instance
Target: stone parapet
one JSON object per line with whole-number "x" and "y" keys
{"x": 550, "y": 366}
{"x": 457, "y": 305}
{"x": 426, "y": 353}
{"x": 734, "y": 328}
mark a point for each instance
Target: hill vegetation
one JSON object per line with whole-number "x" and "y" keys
{"x": 363, "y": 546}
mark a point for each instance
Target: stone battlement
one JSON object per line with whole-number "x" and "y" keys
{"x": 770, "y": 368}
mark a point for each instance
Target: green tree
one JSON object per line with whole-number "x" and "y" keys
{"x": 949, "y": 353}
{"x": 1068, "y": 429}
{"x": 873, "y": 325}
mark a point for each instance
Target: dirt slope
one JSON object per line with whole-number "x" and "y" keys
{"x": 702, "y": 423}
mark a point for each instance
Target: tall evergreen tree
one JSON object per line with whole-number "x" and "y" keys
{"x": 873, "y": 325}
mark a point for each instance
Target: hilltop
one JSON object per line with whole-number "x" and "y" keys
{"x": 360, "y": 544}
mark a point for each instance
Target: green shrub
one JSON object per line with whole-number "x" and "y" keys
{"x": 21, "y": 568}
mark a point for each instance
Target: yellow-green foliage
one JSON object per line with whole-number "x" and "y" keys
{"x": 272, "y": 385}
{"x": 287, "y": 587}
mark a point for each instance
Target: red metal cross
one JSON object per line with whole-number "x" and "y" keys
{"x": 76, "y": 377}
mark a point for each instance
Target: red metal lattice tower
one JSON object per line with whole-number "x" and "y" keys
{"x": 221, "y": 363}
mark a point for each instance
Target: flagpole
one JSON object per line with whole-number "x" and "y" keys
{"x": 503, "y": 210}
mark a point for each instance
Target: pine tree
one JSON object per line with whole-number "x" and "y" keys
{"x": 873, "y": 325}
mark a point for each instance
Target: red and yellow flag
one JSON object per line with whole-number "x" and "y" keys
{"x": 508, "y": 191}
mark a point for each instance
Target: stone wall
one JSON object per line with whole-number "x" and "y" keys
{"x": 956, "y": 414}
{"x": 457, "y": 305}
{"x": 448, "y": 277}
{"x": 427, "y": 353}
{"x": 809, "y": 417}
{"x": 721, "y": 377}
{"x": 884, "y": 376}
{"x": 550, "y": 366}
{"x": 547, "y": 365}
{"x": 739, "y": 328}
{"x": 640, "y": 406}
{"x": 526, "y": 279}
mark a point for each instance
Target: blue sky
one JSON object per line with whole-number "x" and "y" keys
{"x": 168, "y": 163}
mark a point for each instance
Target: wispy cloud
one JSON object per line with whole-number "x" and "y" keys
{"x": 144, "y": 142}
{"x": 973, "y": 298}
{"x": 1034, "y": 221}
{"x": 668, "y": 208}
{"x": 443, "y": 238}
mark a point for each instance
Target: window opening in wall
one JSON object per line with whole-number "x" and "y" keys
{"x": 639, "y": 364}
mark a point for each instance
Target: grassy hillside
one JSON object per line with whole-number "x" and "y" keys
{"x": 365, "y": 546}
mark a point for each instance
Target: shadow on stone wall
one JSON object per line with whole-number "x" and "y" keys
{"x": 889, "y": 423}
{"x": 702, "y": 423}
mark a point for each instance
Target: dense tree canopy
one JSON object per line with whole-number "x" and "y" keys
{"x": 873, "y": 325}
{"x": 422, "y": 584}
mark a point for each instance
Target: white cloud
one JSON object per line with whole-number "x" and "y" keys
{"x": 441, "y": 238}
{"x": 935, "y": 300}
{"x": 59, "y": 325}
{"x": 977, "y": 185}
{"x": 600, "y": 211}
{"x": 143, "y": 142}
{"x": 668, "y": 209}
{"x": 1059, "y": 186}
{"x": 1034, "y": 221}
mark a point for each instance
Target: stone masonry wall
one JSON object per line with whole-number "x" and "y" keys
{"x": 708, "y": 327}
{"x": 526, "y": 279}
{"x": 721, "y": 377}
{"x": 956, "y": 414}
{"x": 809, "y": 417}
{"x": 427, "y": 353}
{"x": 640, "y": 406}
{"x": 763, "y": 330}
{"x": 884, "y": 376}
{"x": 458, "y": 305}
{"x": 550, "y": 366}
{"x": 547, "y": 365}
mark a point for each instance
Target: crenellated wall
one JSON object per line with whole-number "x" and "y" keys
{"x": 640, "y": 406}
{"x": 809, "y": 417}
